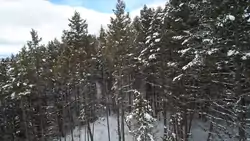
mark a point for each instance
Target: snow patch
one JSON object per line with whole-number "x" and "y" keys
{"x": 100, "y": 132}
{"x": 130, "y": 54}
{"x": 195, "y": 61}
{"x": 129, "y": 117}
{"x": 170, "y": 64}
{"x": 208, "y": 41}
{"x": 148, "y": 116}
{"x": 211, "y": 51}
{"x": 155, "y": 34}
{"x": 181, "y": 4}
{"x": 13, "y": 95}
{"x": 99, "y": 128}
{"x": 246, "y": 16}
{"x": 152, "y": 56}
{"x": 178, "y": 77}
{"x": 230, "y": 17}
{"x": 184, "y": 51}
{"x": 157, "y": 40}
{"x": 246, "y": 55}
{"x": 232, "y": 52}
{"x": 199, "y": 131}
{"x": 147, "y": 41}
{"x": 5, "y": 86}
{"x": 177, "y": 37}
{"x": 185, "y": 41}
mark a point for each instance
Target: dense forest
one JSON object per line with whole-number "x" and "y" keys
{"x": 186, "y": 61}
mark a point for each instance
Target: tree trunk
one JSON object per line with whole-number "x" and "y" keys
{"x": 242, "y": 120}
{"x": 122, "y": 125}
{"x": 107, "y": 116}
{"x": 185, "y": 128}
{"x": 241, "y": 105}
{"x": 24, "y": 118}
{"x": 165, "y": 121}
{"x": 118, "y": 124}
{"x": 90, "y": 133}
{"x": 210, "y": 132}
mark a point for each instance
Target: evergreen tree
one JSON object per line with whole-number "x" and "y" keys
{"x": 228, "y": 52}
{"x": 189, "y": 61}
{"x": 119, "y": 41}
{"x": 142, "y": 123}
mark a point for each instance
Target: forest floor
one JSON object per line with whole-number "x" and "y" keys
{"x": 99, "y": 128}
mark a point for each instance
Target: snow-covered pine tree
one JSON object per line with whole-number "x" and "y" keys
{"x": 141, "y": 26}
{"x": 119, "y": 46}
{"x": 19, "y": 89}
{"x": 149, "y": 54}
{"x": 181, "y": 49}
{"x": 10, "y": 126}
{"x": 80, "y": 48}
{"x": 141, "y": 123}
{"x": 36, "y": 52}
{"x": 174, "y": 27}
{"x": 105, "y": 76}
{"x": 194, "y": 55}
{"x": 227, "y": 58}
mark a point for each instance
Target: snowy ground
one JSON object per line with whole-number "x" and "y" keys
{"x": 100, "y": 131}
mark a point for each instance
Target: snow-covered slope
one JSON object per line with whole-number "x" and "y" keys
{"x": 100, "y": 131}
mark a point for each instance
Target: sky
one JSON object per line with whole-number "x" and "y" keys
{"x": 50, "y": 17}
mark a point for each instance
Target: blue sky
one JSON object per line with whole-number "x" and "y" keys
{"x": 50, "y": 18}
{"x": 104, "y": 5}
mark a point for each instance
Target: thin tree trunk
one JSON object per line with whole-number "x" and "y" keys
{"x": 122, "y": 125}
{"x": 107, "y": 116}
{"x": 123, "y": 96}
{"x": 185, "y": 131}
{"x": 118, "y": 105}
{"x": 118, "y": 124}
{"x": 90, "y": 133}
{"x": 238, "y": 78}
{"x": 210, "y": 132}
{"x": 24, "y": 120}
{"x": 85, "y": 134}
{"x": 63, "y": 123}
{"x": 175, "y": 124}
{"x": 241, "y": 104}
{"x": 190, "y": 122}
{"x": 165, "y": 120}
{"x": 71, "y": 126}
{"x": 69, "y": 114}
{"x": 242, "y": 120}
{"x": 104, "y": 92}
{"x": 93, "y": 129}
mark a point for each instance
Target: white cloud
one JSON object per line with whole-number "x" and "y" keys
{"x": 153, "y": 4}
{"x": 134, "y": 4}
{"x": 19, "y": 16}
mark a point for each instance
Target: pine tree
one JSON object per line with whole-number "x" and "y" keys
{"x": 188, "y": 61}
{"x": 181, "y": 49}
{"x": 142, "y": 123}
{"x": 228, "y": 51}
{"x": 119, "y": 41}
{"x": 77, "y": 32}
{"x": 151, "y": 30}
{"x": 142, "y": 31}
